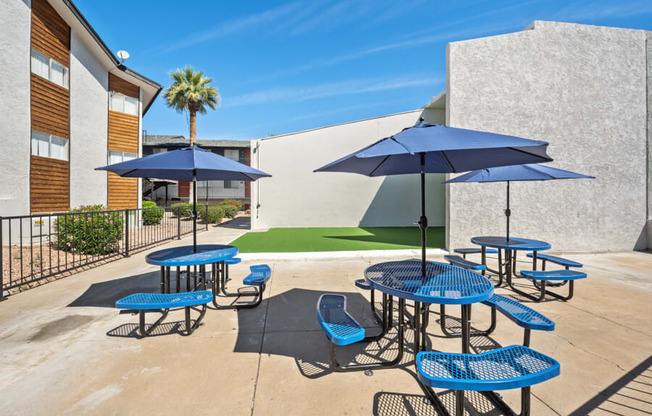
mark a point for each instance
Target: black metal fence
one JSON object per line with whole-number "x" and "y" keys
{"x": 39, "y": 247}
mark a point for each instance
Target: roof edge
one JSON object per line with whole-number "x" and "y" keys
{"x": 276, "y": 136}
{"x": 80, "y": 17}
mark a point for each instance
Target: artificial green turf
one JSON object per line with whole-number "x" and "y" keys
{"x": 337, "y": 239}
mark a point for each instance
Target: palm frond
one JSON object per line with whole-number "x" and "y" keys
{"x": 191, "y": 88}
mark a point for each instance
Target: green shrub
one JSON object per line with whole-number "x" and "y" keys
{"x": 152, "y": 214}
{"x": 231, "y": 207}
{"x": 214, "y": 215}
{"x": 98, "y": 232}
{"x": 182, "y": 209}
{"x": 235, "y": 202}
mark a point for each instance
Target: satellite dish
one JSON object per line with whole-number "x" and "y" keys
{"x": 123, "y": 55}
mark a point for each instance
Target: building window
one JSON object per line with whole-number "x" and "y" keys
{"x": 122, "y": 103}
{"x": 119, "y": 157}
{"x": 49, "y": 69}
{"x": 49, "y": 145}
{"x": 233, "y": 154}
{"x": 231, "y": 184}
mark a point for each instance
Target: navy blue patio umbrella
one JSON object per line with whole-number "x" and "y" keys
{"x": 189, "y": 164}
{"x": 528, "y": 172}
{"x": 429, "y": 148}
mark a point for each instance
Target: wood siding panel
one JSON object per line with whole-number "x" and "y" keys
{"x": 123, "y": 132}
{"x": 119, "y": 85}
{"x": 50, "y": 33}
{"x": 50, "y": 107}
{"x": 123, "y": 192}
{"x": 49, "y": 184}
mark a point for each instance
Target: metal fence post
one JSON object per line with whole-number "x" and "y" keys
{"x": 178, "y": 223}
{"x": 206, "y": 221}
{"x": 126, "y": 233}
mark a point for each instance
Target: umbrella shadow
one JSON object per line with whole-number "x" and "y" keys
{"x": 106, "y": 294}
{"x": 401, "y": 404}
{"x": 239, "y": 223}
{"x": 291, "y": 329}
{"x": 168, "y": 328}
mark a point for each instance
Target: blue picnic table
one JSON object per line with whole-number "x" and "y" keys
{"x": 443, "y": 284}
{"x": 186, "y": 256}
{"x": 510, "y": 246}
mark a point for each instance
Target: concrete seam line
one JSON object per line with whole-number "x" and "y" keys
{"x": 260, "y": 352}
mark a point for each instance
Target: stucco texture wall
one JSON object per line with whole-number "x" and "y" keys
{"x": 88, "y": 125}
{"x": 649, "y": 140}
{"x": 296, "y": 197}
{"x": 15, "y": 129}
{"x": 581, "y": 88}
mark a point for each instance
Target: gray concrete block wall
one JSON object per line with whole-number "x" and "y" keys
{"x": 295, "y": 196}
{"x": 89, "y": 110}
{"x": 15, "y": 129}
{"x": 581, "y": 88}
{"x": 649, "y": 140}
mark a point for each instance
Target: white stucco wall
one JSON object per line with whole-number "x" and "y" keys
{"x": 296, "y": 197}
{"x": 15, "y": 132}
{"x": 88, "y": 125}
{"x": 581, "y": 88}
{"x": 649, "y": 140}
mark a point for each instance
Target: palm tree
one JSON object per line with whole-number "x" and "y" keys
{"x": 190, "y": 92}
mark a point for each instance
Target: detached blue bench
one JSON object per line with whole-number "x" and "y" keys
{"x": 162, "y": 303}
{"x": 554, "y": 259}
{"x": 465, "y": 251}
{"x": 541, "y": 277}
{"x": 257, "y": 278}
{"x": 338, "y": 325}
{"x": 342, "y": 329}
{"x": 465, "y": 264}
{"x": 505, "y": 368}
{"x": 522, "y": 315}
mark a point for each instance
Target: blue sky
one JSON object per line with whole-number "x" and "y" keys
{"x": 288, "y": 66}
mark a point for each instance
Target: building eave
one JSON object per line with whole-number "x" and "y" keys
{"x": 131, "y": 75}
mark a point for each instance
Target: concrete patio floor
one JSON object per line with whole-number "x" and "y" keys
{"x": 64, "y": 348}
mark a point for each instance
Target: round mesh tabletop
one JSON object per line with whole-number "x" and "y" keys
{"x": 443, "y": 284}
{"x": 185, "y": 256}
{"x": 511, "y": 244}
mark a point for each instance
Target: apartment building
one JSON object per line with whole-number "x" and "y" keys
{"x": 69, "y": 105}
{"x": 210, "y": 191}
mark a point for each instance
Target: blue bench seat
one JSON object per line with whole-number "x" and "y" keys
{"x": 163, "y": 302}
{"x": 232, "y": 261}
{"x": 520, "y": 314}
{"x": 338, "y": 325}
{"x": 259, "y": 275}
{"x": 557, "y": 260}
{"x": 505, "y": 368}
{"x": 363, "y": 284}
{"x": 553, "y": 275}
{"x": 342, "y": 329}
{"x": 154, "y": 301}
{"x": 465, "y": 264}
{"x": 542, "y": 277}
{"x": 474, "y": 250}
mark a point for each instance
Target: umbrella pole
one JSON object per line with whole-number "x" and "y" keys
{"x": 194, "y": 215}
{"x": 423, "y": 221}
{"x": 508, "y": 212}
